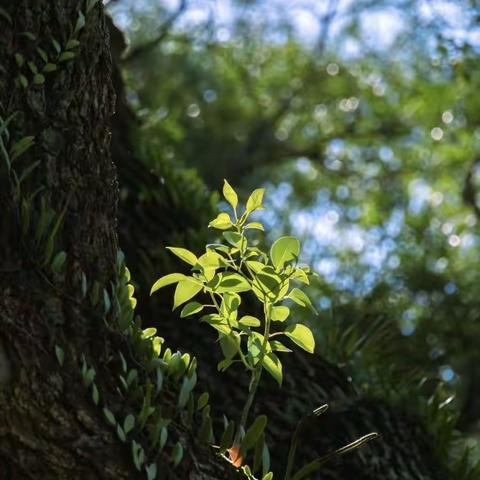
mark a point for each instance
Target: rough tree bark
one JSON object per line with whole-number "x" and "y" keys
{"x": 58, "y": 193}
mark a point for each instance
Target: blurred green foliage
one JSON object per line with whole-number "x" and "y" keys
{"x": 376, "y": 151}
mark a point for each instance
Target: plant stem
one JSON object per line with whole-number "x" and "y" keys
{"x": 256, "y": 375}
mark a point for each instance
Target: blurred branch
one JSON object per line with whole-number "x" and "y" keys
{"x": 469, "y": 190}
{"x": 326, "y": 22}
{"x": 164, "y": 30}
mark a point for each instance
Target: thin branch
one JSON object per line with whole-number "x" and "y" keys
{"x": 163, "y": 32}
{"x": 469, "y": 190}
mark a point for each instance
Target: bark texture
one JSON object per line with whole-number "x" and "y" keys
{"x": 60, "y": 195}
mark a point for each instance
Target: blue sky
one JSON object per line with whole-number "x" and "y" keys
{"x": 378, "y": 26}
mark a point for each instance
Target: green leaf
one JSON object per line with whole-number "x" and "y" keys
{"x": 109, "y": 416}
{"x": 49, "y": 67}
{"x": 221, "y": 222}
{"x": 253, "y": 433}
{"x": 38, "y": 79}
{"x": 202, "y": 400}
{"x": 80, "y": 22}
{"x": 33, "y": 68}
{"x": 255, "y": 200}
{"x": 60, "y": 355}
{"x": 177, "y": 454}
{"x": 273, "y": 366}
{"x": 121, "y": 433}
{"x": 229, "y": 345}
{"x": 301, "y": 299}
{"x": 151, "y": 471}
{"x": 268, "y": 476}
{"x": 184, "y": 254}
{"x": 279, "y": 314}
{"x": 23, "y": 81}
{"x": 186, "y": 289}
{"x": 232, "y": 283}
{"x": 72, "y": 43}
{"x": 56, "y": 45}
{"x": 19, "y": 59}
{"x": 249, "y": 321}
{"x": 188, "y": 384}
{"x": 163, "y": 437}
{"x": 302, "y": 336}
{"x": 226, "y": 440}
{"x": 66, "y": 56}
{"x": 95, "y": 394}
{"x": 268, "y": 285}
{"x": 277, "y": 346}
{"x": 128, "y": 423}
{"x": 300, "y": 276}
{"x": 167, "y": 280}
{"x": 236, "y": 239}
{"x": 43, "y": 54}
{"x": 21, "y": 146}
{"x": 149, "y": 332}
{"x": 230, "y": 195}
{"x": 255, "y": 346}
{"x": 283, "y": 250}
{"x": 190, "y": 309}
{"x": 255, "y": 225}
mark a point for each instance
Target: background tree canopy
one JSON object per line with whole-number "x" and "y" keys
{"x": 362, "y": 119}
{"x": 120, "y": 120}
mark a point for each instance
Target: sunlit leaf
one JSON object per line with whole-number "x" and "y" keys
{"x": 273, "y": 366}
{"x": 229, "y": 194}
{"x": 167, "y": 280}
{"x": 284, "y": 250}
{"x": 186, "y": 289}
{"x": 300, "y": 298}
{"x": 302, "y": 336}
{"x": 280, "y": 313}
{"x": 255, "y": 200}
{"x": 184, "y": 254}
{"x": 221, "y": 222}
{"x": 190, "y": 309}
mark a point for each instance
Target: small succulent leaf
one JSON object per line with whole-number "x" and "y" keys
{"x": 128, "y": 423}
{"x": 202, "y": 400}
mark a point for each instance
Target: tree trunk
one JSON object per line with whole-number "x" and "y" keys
{"x": 61, "y": 282}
